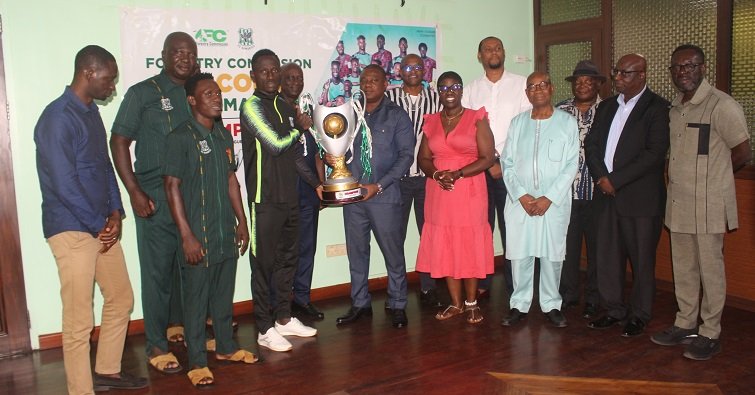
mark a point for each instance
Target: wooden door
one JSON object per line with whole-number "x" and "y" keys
{"x": 14, "y": 318}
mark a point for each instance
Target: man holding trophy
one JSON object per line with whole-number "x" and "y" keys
{"x": 273, "y": 163}
{"x": 382, "y": 149}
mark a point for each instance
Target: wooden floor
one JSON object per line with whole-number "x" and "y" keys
{"x": 451, "y": 357}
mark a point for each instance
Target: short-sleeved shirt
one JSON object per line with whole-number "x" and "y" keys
{"x": 701, "y": 195}
{"x": 202, "y": 159}
{"x": 150, "y": 110}
{"x": 582, "y": 186}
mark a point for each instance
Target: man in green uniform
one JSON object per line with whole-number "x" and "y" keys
{"x": 150, "y": 110}
{"x": 205, "y": 202}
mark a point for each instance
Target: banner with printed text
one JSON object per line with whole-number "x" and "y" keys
{"x": 332, "y": 51}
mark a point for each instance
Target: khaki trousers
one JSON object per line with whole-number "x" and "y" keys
{"x": 80, "y": 265}
{"x": 698, "y": 259}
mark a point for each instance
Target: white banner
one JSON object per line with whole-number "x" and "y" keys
{"x": 226, "y": 42}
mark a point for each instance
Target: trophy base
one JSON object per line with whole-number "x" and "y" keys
{"x": 339, "y": 198}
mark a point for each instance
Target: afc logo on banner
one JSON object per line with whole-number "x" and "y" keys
{"x": 210, "y": 37}
{"x": 245, "y": 38}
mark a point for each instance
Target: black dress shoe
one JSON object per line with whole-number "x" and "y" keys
{"x": 590, "y": 311}
{"x": 604, "y": 322}
{"x": 514, "y": 316}
{"x": 399, "y": 318}
{"x": 567, "y": 305}
{"x": 308, "y": 310}
{"x": 634, "y": 327}
{"x": 429, "y": 298}
{"x": 123, "y": 381}
{"x": 556, "y": 318}
{"x": 354, "y": 314}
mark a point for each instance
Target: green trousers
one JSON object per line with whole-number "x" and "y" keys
{"x": 208, "y": 287}
{"x": 157, "y": 239}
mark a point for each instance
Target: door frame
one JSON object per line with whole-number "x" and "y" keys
{"x": 14, "y": 317}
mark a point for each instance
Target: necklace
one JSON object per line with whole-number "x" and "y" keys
{"x": 413, "y": 100}
{"x": 449, "y": 119}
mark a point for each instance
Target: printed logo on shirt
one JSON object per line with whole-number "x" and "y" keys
{"x": 204, "y": 148}
{"x": 245, "y": 38}
{"x": 165, "y": 103}
{"x": 291, "y": 121}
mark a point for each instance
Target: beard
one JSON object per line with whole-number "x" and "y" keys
{"x": 497, "y": 65}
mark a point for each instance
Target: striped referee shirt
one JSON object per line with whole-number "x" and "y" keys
{"x": 428, "y": 102}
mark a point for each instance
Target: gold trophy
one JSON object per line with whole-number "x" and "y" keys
{"x": 335, "y": 129}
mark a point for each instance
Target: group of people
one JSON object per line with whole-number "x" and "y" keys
{"x": 345, "y": 70}
{"x": 587, "y": 168}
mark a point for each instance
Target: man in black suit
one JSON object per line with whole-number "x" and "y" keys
{"x": 626, "y": 151}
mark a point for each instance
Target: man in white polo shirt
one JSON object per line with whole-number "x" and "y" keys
{"x": 502, "y": 93}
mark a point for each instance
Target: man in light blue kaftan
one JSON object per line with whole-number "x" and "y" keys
{"x": 539, "y": 164}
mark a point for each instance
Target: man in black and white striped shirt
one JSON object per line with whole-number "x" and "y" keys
{"x": 417, "y": 100}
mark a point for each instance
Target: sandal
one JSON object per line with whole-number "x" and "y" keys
{"x": 473, "y": 312}
{"x": 449, "y": 312}
{"x": 201, "y": 378}
{"x": 240, "y": 356}
{"x": 175, "y": 334}
{"x": 161, "y": 362}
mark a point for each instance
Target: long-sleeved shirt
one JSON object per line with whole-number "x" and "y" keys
{"x": 582, "y": 186}
{"x": 392, "y": 150}
{"x": 76, "y": 176}
{"x": 273, "y": 158}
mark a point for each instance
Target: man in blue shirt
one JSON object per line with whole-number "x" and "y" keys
{"x": 380, "y": 211}
{"x": 81, "y": 220}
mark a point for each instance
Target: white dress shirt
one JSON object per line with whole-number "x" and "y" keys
{"x": 503, "y": 100}
{"x": 617, "y": 126}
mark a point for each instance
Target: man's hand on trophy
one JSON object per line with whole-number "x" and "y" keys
{"x": 304, "y": 120}
{"x": 372, "y": 190}
{"x": 329, "y": 159}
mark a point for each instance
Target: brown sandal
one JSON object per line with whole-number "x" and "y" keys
{"x": 175, "y": 334}
{"x": 450, "y": 311}
{"x": 473, "y": 312}
{"x": 201, "y": 377}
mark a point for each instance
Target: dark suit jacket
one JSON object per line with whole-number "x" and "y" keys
{"x": 640, "y": 156}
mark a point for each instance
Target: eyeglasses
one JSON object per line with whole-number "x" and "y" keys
{"x": 540, "y": 86}
{"x": 445, "y": 88}
{"x": 687, "y": 67}
{"x": 624, "y": 73}
{"x": 416, "y": 67}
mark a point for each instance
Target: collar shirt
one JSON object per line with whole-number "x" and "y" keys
{"x": 701, "y": 193}
{"x": 617, "y": 126}
{"x": 76, "y": 177}
{"x": 149, "y": 111}
{"x": 582, "y": 187}
{"x": 392, "y": 150}
{"x": 427, "y": 102}
{"x": 503, "y": 100}
{"x": 203, "y": 160}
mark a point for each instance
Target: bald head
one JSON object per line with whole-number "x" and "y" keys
{"x": 292, "y": 82}
{"x": 410, "y": 59}
{"x": 629, "y": 75}
{"x": 175, "y": 37}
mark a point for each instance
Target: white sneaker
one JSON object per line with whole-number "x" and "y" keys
{"x": 274, "y": 341}
{"x": 295, "y": 328}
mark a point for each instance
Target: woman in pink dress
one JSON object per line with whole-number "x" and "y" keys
{"x": 457, "y": 243}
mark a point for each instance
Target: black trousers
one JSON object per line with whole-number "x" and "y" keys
{"x": 274, "y": 256}
{"x": 581, "y": 225}
{"x": 620, "y": 238}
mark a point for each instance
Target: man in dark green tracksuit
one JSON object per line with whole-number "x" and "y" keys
{"x": 205, "y": 202}
{"x": 150, "y": 110}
